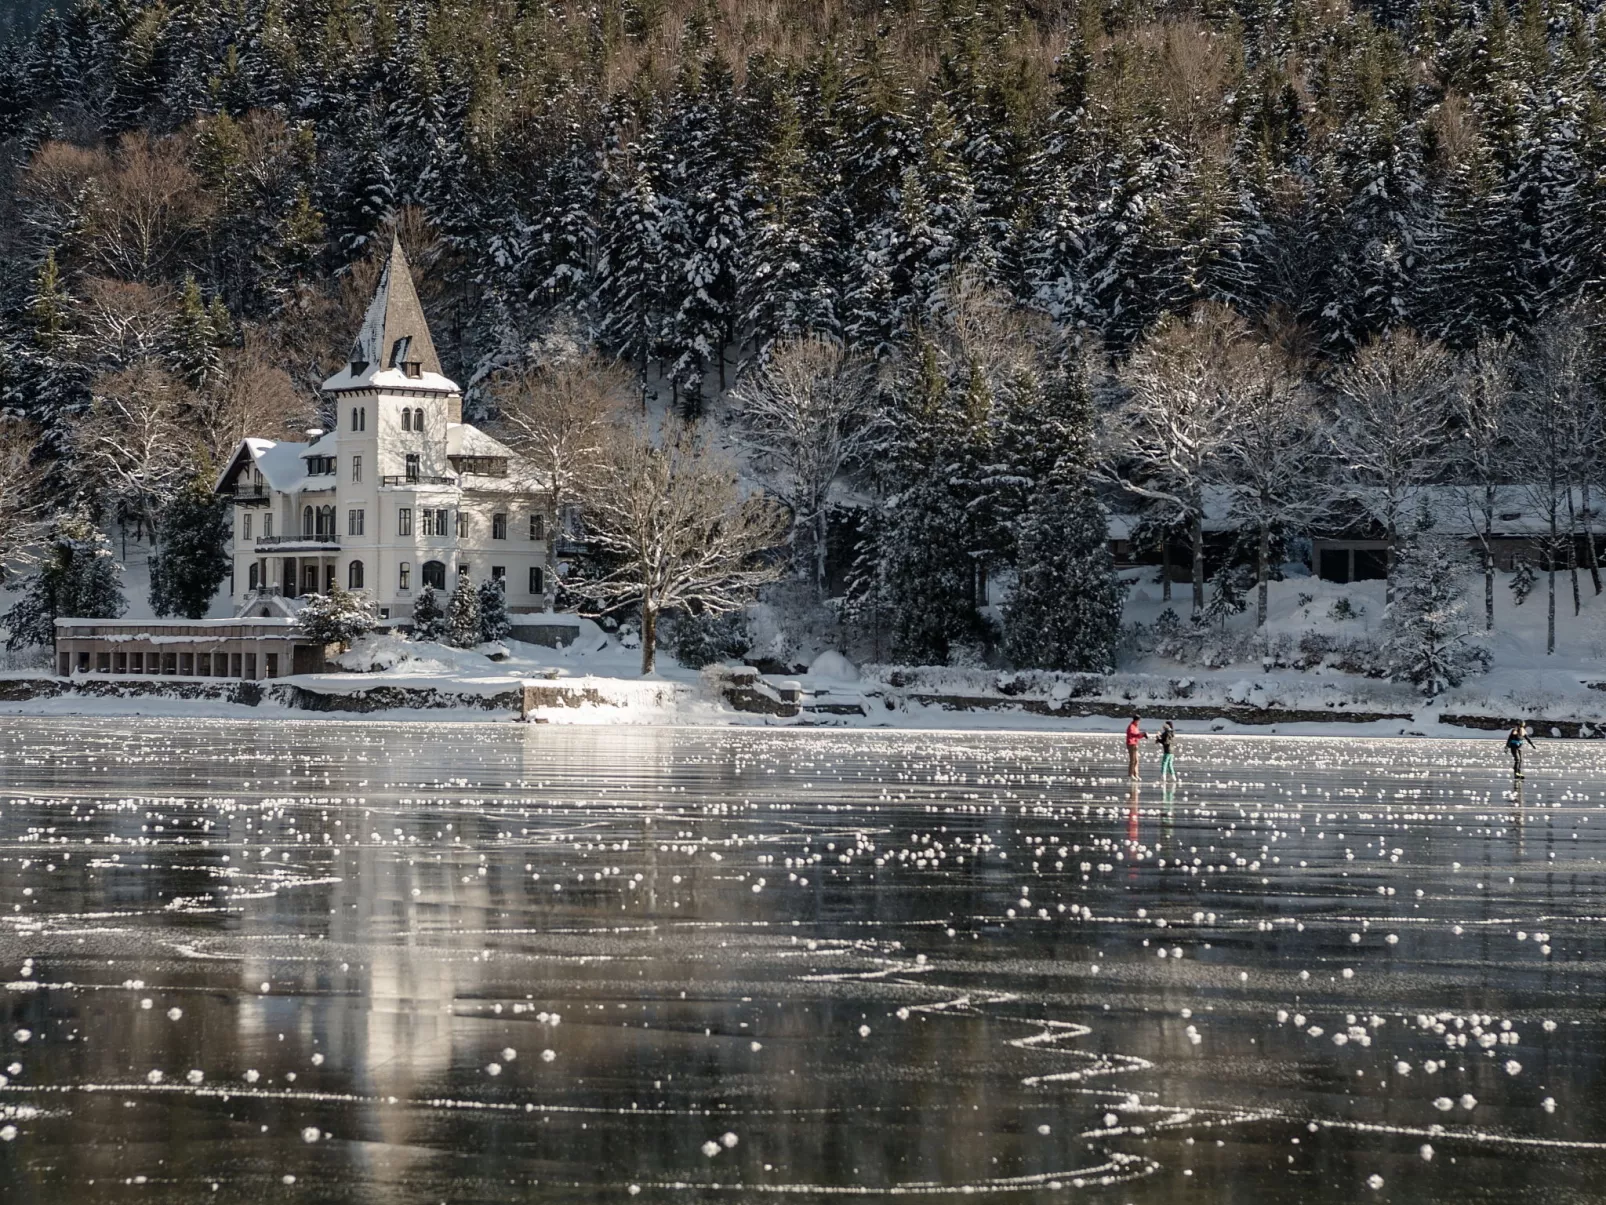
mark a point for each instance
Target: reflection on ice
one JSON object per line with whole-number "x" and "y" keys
{"x": 368, "y": 961}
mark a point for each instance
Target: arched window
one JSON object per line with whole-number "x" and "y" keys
{"x": 354, "y": 576}
{"x": 407, "y": 418}
{"x": 354, "y": 426}
{"x": 306, "y": 520}
{"x": 434, "y": 574}
{"x": 418, "y": 419}
{"x": 326, "y": 520}
{"x": 362, "y": 419}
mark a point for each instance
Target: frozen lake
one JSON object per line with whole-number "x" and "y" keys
{"x": 275, "y": 961}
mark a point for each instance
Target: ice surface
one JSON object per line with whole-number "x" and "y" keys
{"x": 370, "y": 961}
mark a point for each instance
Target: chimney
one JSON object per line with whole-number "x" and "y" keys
{"x": 454, "y": 408}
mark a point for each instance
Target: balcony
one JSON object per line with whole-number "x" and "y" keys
{"x": 394, "y": 480}
{"x": 321, "y": 541}
{"x": 247, "y": 495}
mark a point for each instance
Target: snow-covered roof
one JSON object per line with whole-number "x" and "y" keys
{"x": 463, "y": 439}
{"x": 1453, "y": 508}
{"x": 394, "y": 335}
{"x": 279, "y": 461}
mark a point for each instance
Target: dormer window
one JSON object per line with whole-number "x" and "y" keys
{"x": 413, "y": 368}
{"x": 358, "y": 367}
{"x": 399, "y": 349}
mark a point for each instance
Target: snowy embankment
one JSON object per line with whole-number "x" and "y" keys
{"x": 1304, "y": 673}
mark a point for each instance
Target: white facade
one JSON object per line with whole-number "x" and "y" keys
{"x": 400, "y": 493}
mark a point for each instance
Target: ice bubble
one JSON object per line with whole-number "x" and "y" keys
{"x": 509, "y": 1054}
{"x": 23, "y": 1035}
{"x": 710, "y": 1148}
{"x": 1374, "y": 1181}
{"x": 1304, "y": 974}
{"x": 1348, "y": 973}
{"x": 493, "y": 1069}
{"x": 864, "y": 1031}
{"x": 1443, "y": 1104}
{"x": 1513, "y": 1067}
{"x": 8, "y": 1133}
{"x": 1402, "y": 1067}
{"x": 755, "y": 1047}
{"x": 1044, "y": 1130}
{"x": 287, "y": 1180}
{"x": 1548, "y": 1104}
{"x": 1426, "y": 1151}
{"x": 1468, "y": 1101}
{"x": 634, "y": 1190}
{"x": 173, "y": 1014}
{"x": 195, "y": 1075}
{"x": 548, "y": 1055}
{"x": 728, "y": 1140}
{"x": 147, "y": 1004}
{"x": 252, "y": 1076}
{"x": 311, "y": 1134}
{"x": 153, "y": 1077}
{"x": 1110, "y": 1120}
{"x": 317, "y": 1060}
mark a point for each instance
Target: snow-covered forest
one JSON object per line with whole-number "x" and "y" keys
{"x": 953, "y": 281}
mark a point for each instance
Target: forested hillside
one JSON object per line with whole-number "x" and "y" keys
{"x": 989, "y": 202}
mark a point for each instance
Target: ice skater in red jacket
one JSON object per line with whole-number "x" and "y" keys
{"x": 1135, "y": 736}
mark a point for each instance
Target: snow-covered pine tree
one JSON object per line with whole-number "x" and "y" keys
{"x": 429, "y": 619}
{"x": 77, "y": 579}
{"x": 1523, "y": 581}
{"x": 463, "y": 616}
{"x": 192, "y": 556}
{"x": 1430, "y": 637}
{"x": 1065, "y": 611}
{"x": 337, "y": 617}
{"x": 1226, "y": 595}
{"x": 492, "y": 603}
{"x": 630, "y": 269}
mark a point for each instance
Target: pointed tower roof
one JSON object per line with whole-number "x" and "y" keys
{"x": 393, "y": 341}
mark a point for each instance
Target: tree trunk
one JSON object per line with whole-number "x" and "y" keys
{"x": 1550, "y": 630}
{"x": 820, "y": 528}
{"x": 1572, "y": 551}
{"x": 1388, "y": 566}
{"x": 1198, "y": 562}
{"x": 649, "y": 638}
{"x": 1488, "y": 557}
{"x": 1592, "y": 555}
{"x": 1165, "y": 568}
{"x": 1261, "y": 572}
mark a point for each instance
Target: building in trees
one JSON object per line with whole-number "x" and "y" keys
{"x": 401, "y": 494}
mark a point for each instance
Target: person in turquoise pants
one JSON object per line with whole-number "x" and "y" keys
{"x": 1167, "y": 737}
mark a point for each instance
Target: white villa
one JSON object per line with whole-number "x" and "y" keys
{"x": 401, "y": 494}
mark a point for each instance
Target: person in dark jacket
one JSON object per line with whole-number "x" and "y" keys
{"x": 1167, "y": 737}
{"x": 1514, "y": 742}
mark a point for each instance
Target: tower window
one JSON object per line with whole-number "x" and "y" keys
{"x": 407, "y": 418}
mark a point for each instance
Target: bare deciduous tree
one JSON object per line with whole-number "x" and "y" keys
{"x": 805, "y": 415}
{"x": 1270, "y": 455}
{"x": 1482, "y": 403}
{"x": 559, "y": 417}
{"x": 22, "y": 502}
{"x": 135, "y": 441}
{"x": 672, "y": 516}
{"x": 251, "y": 396}
{"x": 1170, "y": 433}
{"x": 1388, "y": 432}
{"x": 1557, "y": 389}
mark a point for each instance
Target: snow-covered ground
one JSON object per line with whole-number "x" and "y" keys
{"x": 1306, "y": 659}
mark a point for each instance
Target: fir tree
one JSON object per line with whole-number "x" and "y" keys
{"x": 78, "y": 579}
{"x": 193, "y": 558}
{"x": 463, "y": 616}
{"x": 429, "y": 619}
{"x": 1430, "y": 638}
{"x": 1226, "y": 595}
{"x": 492, "y": 603}
{"x": 1065, "y": 611}
{"x": 337, "y": 617}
